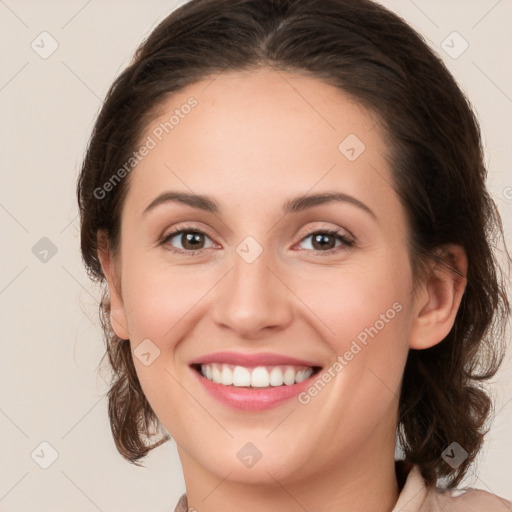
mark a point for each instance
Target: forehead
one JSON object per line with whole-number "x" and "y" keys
{"x": 265, "y": 131}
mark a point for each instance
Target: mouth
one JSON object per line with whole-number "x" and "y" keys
{"x": 253, "y": 382}
{"x": 258, "y": 377}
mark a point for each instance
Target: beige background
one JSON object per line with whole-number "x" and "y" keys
{"x": 51, "y": 342}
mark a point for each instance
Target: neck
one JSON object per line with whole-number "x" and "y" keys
{"x": 364, "y": 481}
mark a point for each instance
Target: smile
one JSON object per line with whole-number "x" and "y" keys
{"x": 256, "y": 377}
{"x": 247, "y": 384}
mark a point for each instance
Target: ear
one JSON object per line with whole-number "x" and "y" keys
{"x": 438, "y": 297}
{"x": 117, "y": 312}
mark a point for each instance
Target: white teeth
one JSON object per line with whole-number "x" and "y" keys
{"x": 227, "y": 375}
{"x": 301, "y": 375}
{"x": 258, "y": 377}
{"x": 289, "y": 376}
{"x": 276, "y": 377}
{"x": 216, "y": 374}
{"x": 241, "y": 376}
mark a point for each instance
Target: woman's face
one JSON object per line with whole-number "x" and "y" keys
{"x": 264, "y": 287}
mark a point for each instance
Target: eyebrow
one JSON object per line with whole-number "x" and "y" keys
{"x": 293, "y": 205}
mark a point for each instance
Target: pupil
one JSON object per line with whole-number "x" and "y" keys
{"x": 320, "y": 239}
{"x": 193, "y": 239}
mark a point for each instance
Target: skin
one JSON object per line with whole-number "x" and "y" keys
{"x": 255, "y": 140}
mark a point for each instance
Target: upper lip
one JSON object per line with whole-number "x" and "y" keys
{"x": 253, "y": 359}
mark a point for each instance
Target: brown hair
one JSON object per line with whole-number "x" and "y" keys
{"x": 439, "y": 174}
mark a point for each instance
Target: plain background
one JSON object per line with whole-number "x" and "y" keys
{"x": 51, "y": 340}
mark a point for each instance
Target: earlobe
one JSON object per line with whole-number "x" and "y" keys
{"x": 117, "y": 312}
{"x": 439, "y": 298}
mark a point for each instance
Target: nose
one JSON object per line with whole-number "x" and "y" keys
{"x": 253, "y": 299}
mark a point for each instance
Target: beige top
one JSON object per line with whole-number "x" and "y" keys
{"x": 415, "y": 496}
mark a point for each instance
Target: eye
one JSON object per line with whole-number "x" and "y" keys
{"x": 190, "y": 240}
{"x": 324, "y": 241}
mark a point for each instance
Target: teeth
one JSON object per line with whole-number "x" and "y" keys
{"x": 289, "y": 376}
{"x": 216, "y": 375}
{"x": 276, "y": 377}
{"x": 241, "y": 376}
{"x": 258, "y": 377}
{"x": 227, "y": 375}
{"x": 301, "y": 375}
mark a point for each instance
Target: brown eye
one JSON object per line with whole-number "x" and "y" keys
{"x": 187, "y": 241}
{"x": 325, "y": 241}
{"x": 192, "y": 241}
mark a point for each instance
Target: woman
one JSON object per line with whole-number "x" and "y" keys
{"x": 287, "y": 202}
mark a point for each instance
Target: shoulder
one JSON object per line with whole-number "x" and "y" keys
{"x": 416, "y": 496}
{"x": 464, "y": 500}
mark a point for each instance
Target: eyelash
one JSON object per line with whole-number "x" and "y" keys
{"x": 347, "y": 241}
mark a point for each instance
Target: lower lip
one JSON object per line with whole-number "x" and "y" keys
{"x": 253, "y": 399}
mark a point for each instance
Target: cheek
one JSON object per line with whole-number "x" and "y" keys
{"x": 364, "y": 313}
{"x": 157, "y": 298}
{"x": 353, "y": 301}
{"x": 160, "y": 303}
